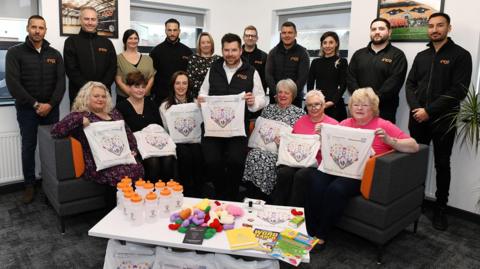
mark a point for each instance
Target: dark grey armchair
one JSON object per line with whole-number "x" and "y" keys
{"x": 67, "y": 194}
{"x": 395, "y": 201}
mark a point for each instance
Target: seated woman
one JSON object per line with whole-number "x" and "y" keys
{"x": 292, "y": 183}
{"x": 189, "y": 155}
{"x": 260, "y": 166}
{"x": 92, "y": 104}
{"x": 139, "y": 112}
{"x": 328, "y": 195}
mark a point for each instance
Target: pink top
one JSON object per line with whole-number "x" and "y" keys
{"x": 305, "y": 125}
{"x": 390, "y": 128}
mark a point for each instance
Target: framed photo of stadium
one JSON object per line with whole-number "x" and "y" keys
{"x": 409, "y": 19}
{"x": 107, "y": 11}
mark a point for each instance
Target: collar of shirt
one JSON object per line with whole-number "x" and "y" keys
{"x": 230, "y": 71}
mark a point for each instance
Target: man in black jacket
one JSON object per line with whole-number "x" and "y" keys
{"x": 35, "y": 77}
{"x": 287, "y": 60}
{"x": 380, "y": 66}
{"x": 88, "y": 56}
{"x": 252, "y": 54}
{"x": 438, "y": 81}
{"x": 168, "y": 57}
{"x": 225, "y": 157}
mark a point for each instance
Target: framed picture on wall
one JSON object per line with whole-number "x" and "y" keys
{"x": 409, "y": 19}
{"x": 107, "y": 11}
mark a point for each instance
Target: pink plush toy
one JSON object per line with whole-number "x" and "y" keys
{"x": 234, "y": 210}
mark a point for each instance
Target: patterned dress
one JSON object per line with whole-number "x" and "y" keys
{"x": 197, "y": 69}
{"x": 72, "y": 125}
{"x": 260, "y": 165}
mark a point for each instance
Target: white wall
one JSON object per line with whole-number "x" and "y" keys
{"x": 232, "y": 16}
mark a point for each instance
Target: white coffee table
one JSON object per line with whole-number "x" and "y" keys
{"x": 115, "y": 226}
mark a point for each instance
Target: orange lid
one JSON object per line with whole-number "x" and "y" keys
{"x": 121, "y": 184}
{"x": 139, "y": 182}
{"x": 126, "y": 179}
{"x": 127, "y": 188}
{"x": 148, "y": 185}
{"x": 178, "y": 188}
{"x": 128, "y": 194}
{"x": 136, "y": 198}
{"x": 151, "y": 196}
{"x": 159, "y": 184}
{"x": 171, "y": 183}
{"x": 165, "y": 192}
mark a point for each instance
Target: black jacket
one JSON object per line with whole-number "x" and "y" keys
{"x": 282, "y": 63}
{"x": 168, "y": 58}
{"x": 89, "y": 57}
{"x": 258, "y": 59}
{"x": 384, "y": 71}
{"x": 32, "y": 76}
{"x": 438, "y": 81}
{"x": 242, "y": 80}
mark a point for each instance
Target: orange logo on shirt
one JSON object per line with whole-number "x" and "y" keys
{"x": 295, "y": 58}
{"x": 185, "y": 57}
{"x": 387, "y": 60}
{"x": 444, "y": 61}
{"x": 258, "y": 62}
{"x": 102, "y": 49}
{"x": 51, "y": 61}
{"x": 241, "y": 76}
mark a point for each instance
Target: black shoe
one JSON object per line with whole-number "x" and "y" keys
{"x": 28, "y": 194}
{"x": 440, "y": 221}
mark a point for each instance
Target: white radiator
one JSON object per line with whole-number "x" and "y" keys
{"x": 10, "y": 158}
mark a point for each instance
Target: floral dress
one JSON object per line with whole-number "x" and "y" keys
{"x": 260, "y": 165}
{"x": 197, "y": 69}
{"x": 72, "y": 125}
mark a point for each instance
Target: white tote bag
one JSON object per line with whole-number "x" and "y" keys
{"x": 109, "y": 144}
{"x": 265, "y": 132}
{"x": 184, "y": 123}
{"x": 298, "y": 150}
{"x": 224, "y": 115}
{"x": 154, "y": 141}
{"x": 345, "y": 150}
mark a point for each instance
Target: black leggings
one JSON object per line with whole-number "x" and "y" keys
{"x": 159, "y": 168}
{"x": 190, "y": 168}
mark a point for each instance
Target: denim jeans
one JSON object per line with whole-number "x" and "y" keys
{"x": 28, "y": 121}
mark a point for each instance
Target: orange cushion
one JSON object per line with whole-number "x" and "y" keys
{"x": 77, "y": 154}
{"x": 368, "y": 172}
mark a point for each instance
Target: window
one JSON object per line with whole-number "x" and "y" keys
{"x": 13, "y": 21}
{"x": 149, "y": 20}
{"x": 312, "y": 22}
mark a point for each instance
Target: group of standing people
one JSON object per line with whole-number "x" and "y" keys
{"x": 148, "y": 85}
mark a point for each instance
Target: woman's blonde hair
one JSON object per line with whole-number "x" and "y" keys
{"x": 289, "y": 85}
{"x": 317, "y": 93}
{"x": 83, "y": 97}
{"x": 362, "y": 95}
{"x": 212, "y": 50}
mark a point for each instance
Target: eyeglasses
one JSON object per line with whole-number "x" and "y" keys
{"x": 250, "y": 36}
{"x": 360, "y": 105}
{"x": 314, "y": 106}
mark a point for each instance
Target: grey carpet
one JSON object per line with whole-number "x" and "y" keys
{"x": 30, "y": 238}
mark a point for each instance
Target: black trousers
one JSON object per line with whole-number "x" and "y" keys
{"x": 190, "y": 168}
{"x": 292, "y": 185}
{"x": 225, "y": 162}
{"x": 442, "y": 150}
{"x": 159, "y": 168}
{"x": 388, "y": 110}
{"x": 338, "y": 111}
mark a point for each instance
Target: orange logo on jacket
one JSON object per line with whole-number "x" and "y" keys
{"x": 242, "y": 76}
{"x": 295, "y": 58}
{"x": 102, "y": 49}
{"x": 387, "y": 60}
{"x": 258, "y": 62}
{"x": 185, "y": 57}
{"x": 444, "y": 61}
{"x": 51, "y": 61}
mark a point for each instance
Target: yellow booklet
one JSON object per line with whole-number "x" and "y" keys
{"x": 241, "y": 238}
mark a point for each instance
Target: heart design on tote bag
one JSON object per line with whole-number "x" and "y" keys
{"x": 343, "y": 156}
{"x": 156, "y": 140}
{"x": 298, "y": 151}
{"x": 185, "y": 125}
{"x": 222, "y": 115}
{"x": 113, "y": 144}
{"x": 267, "y": 133}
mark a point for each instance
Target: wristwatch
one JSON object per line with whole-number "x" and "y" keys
{"x": 36, "y": 105}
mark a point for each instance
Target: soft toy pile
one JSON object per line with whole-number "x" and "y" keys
{"x": 213, "y": 215}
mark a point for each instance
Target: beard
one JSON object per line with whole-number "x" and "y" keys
{"x": 379, "y": 41}
{"x": 437, "y": 38}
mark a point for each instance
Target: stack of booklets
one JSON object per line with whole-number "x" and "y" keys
{"x": 242, "y": 238}
{"x": 291, "y": 246}
{"x": 266, "y": 239}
